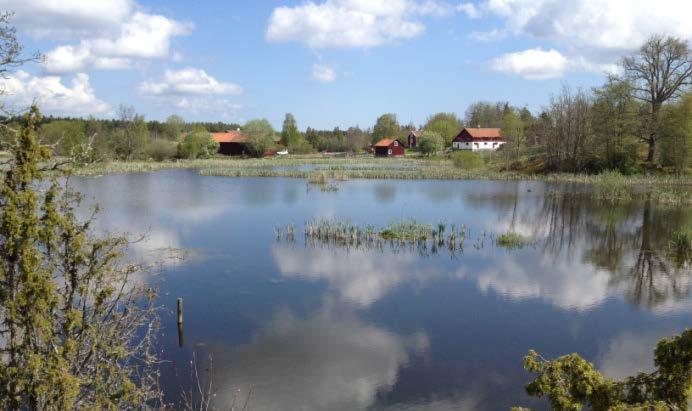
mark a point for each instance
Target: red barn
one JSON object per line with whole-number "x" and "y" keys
{"x": 231, "y": 143}
{"x": 389, "y": 147}
{"x": 478, "y": 139}
{"x": 413, "y": 137}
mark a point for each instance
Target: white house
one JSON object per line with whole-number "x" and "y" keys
{"x": 475, "y": 139}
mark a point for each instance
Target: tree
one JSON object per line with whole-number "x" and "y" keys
{"x": 568, "y": 133}
{"x": 616, "y": 125}
{"x": 76, "y": 329}
{"x": 289, "y": 132}
{"x": 430, "y": 143}
{"x": 173, "y": 128}
{"x": 446, "y": 125}
{"x": 63, "y": 135}
{"x": 386, "y": 126}
{"x": 484, "y": 114}
{"x": 512, "y": 130}
{"x": 570, "y": 382}
{"x": 658, "y": 73}
{"x": 131, "y": 137}
{"x": 676, "y": 134}
{"x": 260, "y": 134}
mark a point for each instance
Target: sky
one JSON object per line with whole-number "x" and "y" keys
{"x": 329, "y": 62}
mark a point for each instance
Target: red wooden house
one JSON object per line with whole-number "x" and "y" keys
{"x": 389, "y": 147}
{"x": 231, "y": 143}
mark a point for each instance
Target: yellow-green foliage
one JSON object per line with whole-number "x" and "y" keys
{"x": 74, "y": 331}
{"x": 571, "y": 383}
{"x": 467, "y": 160}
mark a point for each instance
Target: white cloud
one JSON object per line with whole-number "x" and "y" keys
{"x": 323, "y": 73}
{"x": 189, "y": 81}
{"x": 111, "y": 42}
{"x": 604, "y": 24}
{"x": 350, "y": 23}
{"x": 470, "y": 10}
{"x": 534, "y": 64}
{"x": 594, "y": 33}
{"x": 68, "y": 18}
{"x": 52, "y": 96}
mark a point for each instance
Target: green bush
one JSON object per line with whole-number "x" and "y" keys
{"x": 160, "y": 150}
{"x": 430, "y": 143}
{"x": 300, "y": 146}
{"x": 467, "y": 160}
{"x": 198, "y": 144}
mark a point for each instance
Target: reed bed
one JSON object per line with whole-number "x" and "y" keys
{"x": 680, "y": 247}
{"x": 511, "y": 240}
{"x": 368, "y": 167}
{"x": 398, "y": 235}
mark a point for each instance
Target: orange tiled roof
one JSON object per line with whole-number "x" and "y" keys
{"x": 483, "y": 132}
{"x": 385, "y": 142}
{"x": 229, "y": 137}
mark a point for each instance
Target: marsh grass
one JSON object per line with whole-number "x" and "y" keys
{"x": 680, "y": 247}
{"x": 398, "y": 235}
{"x": 609, "y": 185}
{"x": 511, "y": 239}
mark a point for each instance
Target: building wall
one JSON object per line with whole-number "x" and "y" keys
{"x": 232, "y": 149}
{"x": 476, "y": 146}
{"x": 395, "y": 149}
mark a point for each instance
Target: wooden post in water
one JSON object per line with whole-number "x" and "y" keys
{"x": 180, "y": 310}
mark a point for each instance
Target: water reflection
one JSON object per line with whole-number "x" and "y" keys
{"x": 328, "y": 361}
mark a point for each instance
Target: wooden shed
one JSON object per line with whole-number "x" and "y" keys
{"x": 389, "y": 147}
{"x": 231, "y": 143}
{"x": 412, "y": 138}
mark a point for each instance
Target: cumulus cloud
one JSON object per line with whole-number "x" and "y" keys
{"x": 323, "y": 73}
{"x": 68, "y": 18}
{"x": 593, "y": 33}
{"x": 604, "y": 24}
{"x": 189, "y": 81}
{"x": 113, "y": 33}
{"x": 78, "y": 99}
{"x": 534, "y": 64}
{"x": 351, "y": 23}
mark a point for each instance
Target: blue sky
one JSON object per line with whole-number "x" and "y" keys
{"x": 329, "y": 62}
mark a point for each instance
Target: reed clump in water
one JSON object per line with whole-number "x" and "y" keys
{"x": 680, "y": 246}
{"x": 511, "y": 239}
{"x": 399, "y": 235}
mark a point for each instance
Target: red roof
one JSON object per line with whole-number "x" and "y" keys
{"x": 386, "y": 142}
{"x": 229, "y": 137}
{"x": 483, "y": 132}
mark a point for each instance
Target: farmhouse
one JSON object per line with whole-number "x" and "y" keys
{"x": 412, "y": 138}
{"x": 478, "y": 139}
{"x": 231, "y": 143}
{"x": 389, "y": 147}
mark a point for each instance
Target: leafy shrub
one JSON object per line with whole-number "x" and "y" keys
{"x": 430, "y": 143}
{"x": 467, "y": 160}
{"x": 198, "y": 144}
{"x": 161, "y": 150}
{"x": 300, "y": 146}
{"x": 571, "y": 383}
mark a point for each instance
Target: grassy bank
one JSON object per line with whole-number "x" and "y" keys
{"x": 362, "y": 167}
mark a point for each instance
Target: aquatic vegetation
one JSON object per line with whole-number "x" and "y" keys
{"x": 680, "y": 246}
{"x": 612, "y": 186}
{"x": 511, "y": 239}
{"x": 398, "y": 235}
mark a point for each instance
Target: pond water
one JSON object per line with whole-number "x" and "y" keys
{"x": 328, "y": 328}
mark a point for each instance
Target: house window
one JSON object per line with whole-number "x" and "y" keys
{"x": 476, "y": 144}
{"x": 396, "y": 143}
{"x": 389, "y": 151}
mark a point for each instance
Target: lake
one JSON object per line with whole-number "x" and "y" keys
{"x": 296, "y": 326}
